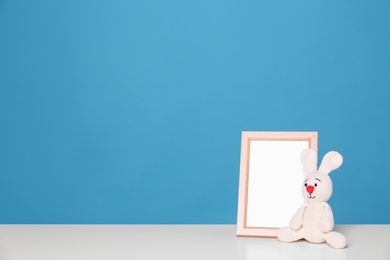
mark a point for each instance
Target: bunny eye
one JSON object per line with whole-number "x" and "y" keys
{"x": 305, "y": 184}
{"x": 315, "y": 184}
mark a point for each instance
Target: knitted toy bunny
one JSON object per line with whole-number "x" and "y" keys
{"x": 314, "y": 219}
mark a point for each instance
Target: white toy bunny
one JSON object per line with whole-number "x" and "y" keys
{"x": 314, "y": 219}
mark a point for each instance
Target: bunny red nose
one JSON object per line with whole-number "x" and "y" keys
{"x": 310, "y": 189}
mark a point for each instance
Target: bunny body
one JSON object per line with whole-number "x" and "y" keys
{"x": 314, "y": 219}
{"x": 309, "y": 227}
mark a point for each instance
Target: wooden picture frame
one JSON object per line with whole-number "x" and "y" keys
{"x": 270, "y": 180}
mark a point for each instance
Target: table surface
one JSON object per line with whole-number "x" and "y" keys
{"x": 179, "y": 242}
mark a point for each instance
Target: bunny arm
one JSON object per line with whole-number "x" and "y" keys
{"x": 297, "y": 220}
{"x": 326, "y": 222}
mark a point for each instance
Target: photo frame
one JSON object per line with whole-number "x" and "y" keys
{"x": 270, "y": 180}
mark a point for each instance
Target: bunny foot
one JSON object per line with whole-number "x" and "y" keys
{"x": 286, "y": 235}
{"x": 336, "y": 240}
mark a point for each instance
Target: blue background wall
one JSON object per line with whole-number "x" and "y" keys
{"x": 132, "y": 111}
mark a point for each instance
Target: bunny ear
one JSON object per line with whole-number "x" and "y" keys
{"x": 309, "y": 160}
{"x": 331, "y": 162}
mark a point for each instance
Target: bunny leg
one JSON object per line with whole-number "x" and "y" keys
{"x": 286, "y": 234}
{"x": 336, "y": 240}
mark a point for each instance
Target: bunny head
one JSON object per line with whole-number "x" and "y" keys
{"x": 317, "y": 186}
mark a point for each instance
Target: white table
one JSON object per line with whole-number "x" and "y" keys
{"x": 181, "y": 242}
